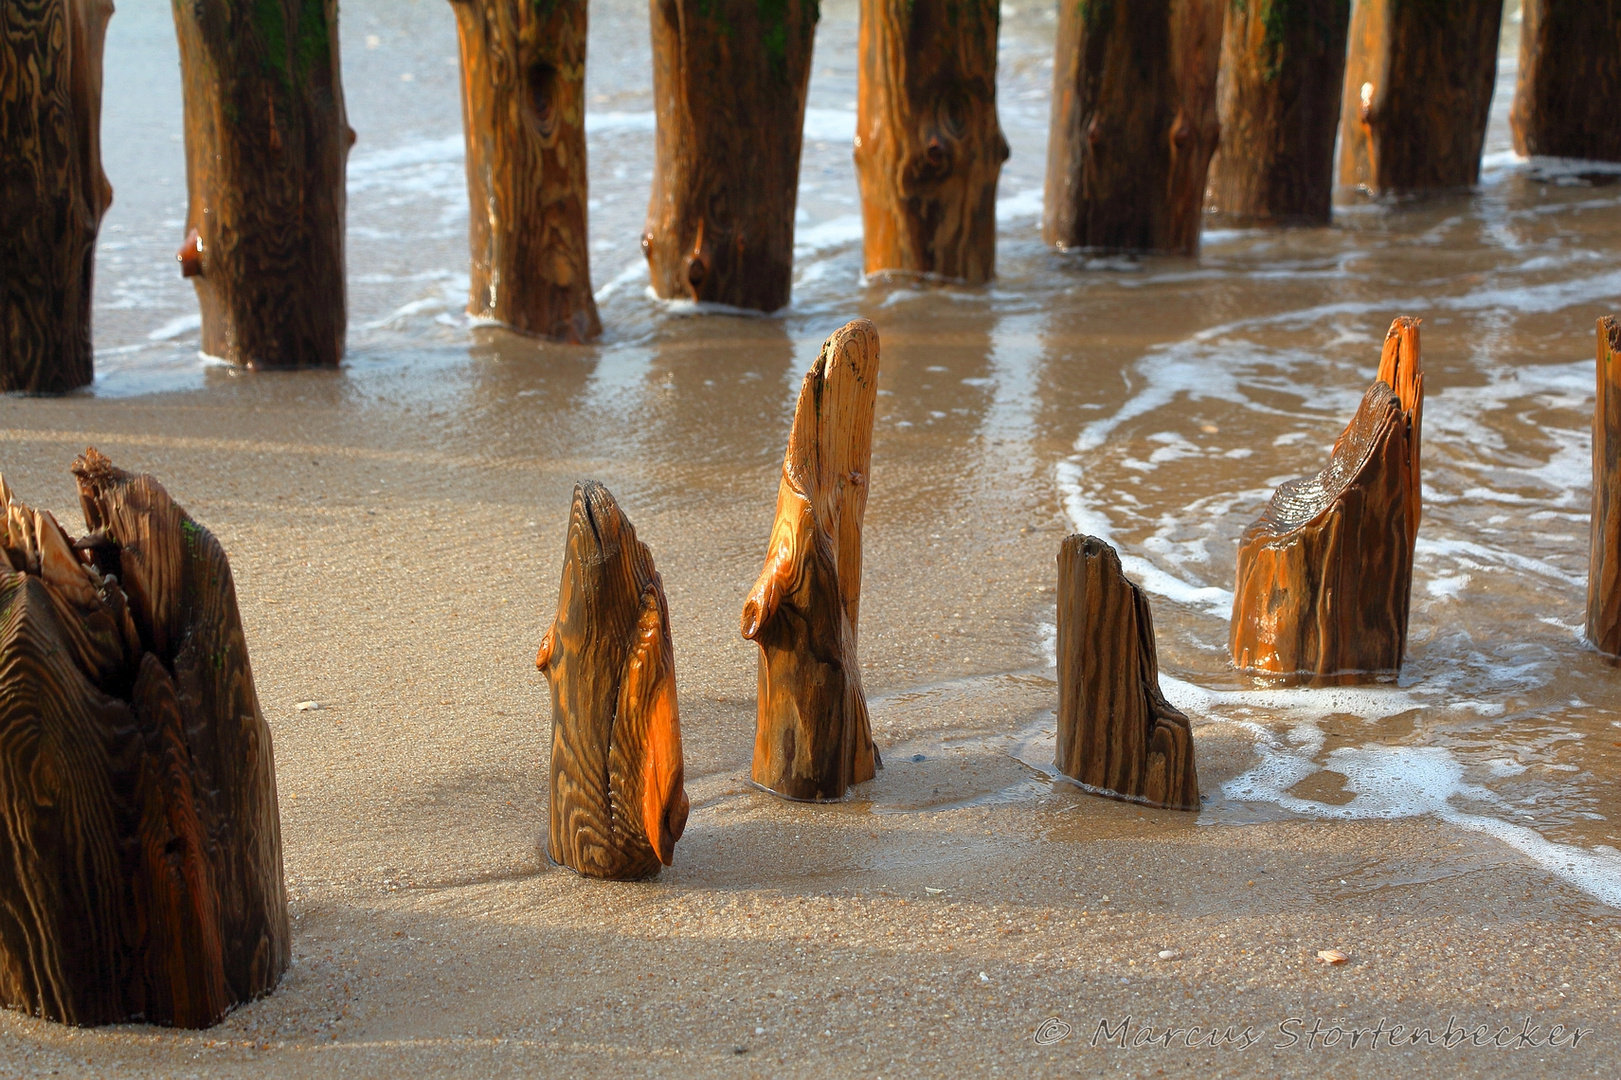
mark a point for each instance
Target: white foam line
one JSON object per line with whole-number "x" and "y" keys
{"x": 1594, "y": 872}
{"x": 1480, "y": 551}
{"x": 175, "y": 327}
{"x": 632, "y": 272}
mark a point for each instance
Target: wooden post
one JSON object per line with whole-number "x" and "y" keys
{"x": 267, "y": 143}
{"x": 1418, "y": 88}
{"x": 523, "y": 115}
{"x": 1569, "y": 90}
{"x": 813, "y": 739}
{"x": 928, "y": 146}
{"x": 1117, "y": 734}
{"x": 729, "y": 80}
{"x": 1604, "y": 550}
{"x": 141, "y": 835}
{"x": 1325, "y": 574}
{"x": 617, "y": 801}
{"x": 1133, "y": 124}
{"x": 52, "y": 190}
{"x": 1282, "y": 72}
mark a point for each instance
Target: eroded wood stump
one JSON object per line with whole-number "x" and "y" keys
{"x": 813, "y": 739}
{"x": 617, "y": 801}
{"x": 1418, "y": 88}
{"x": 1324, "y": 575}
{"x": 267, "y": 143}
{"x": 52, "y": 190}
{"x": 1116, "y": 732}
{"x": 1133, "y": 124}
{"x": 1569, "y": 90}
{"x": 523, "y": 115}
{"x": 1604, "y": 549}
{"x": 141, "y": 838}
{"x": 928, "y": 147}
{"x": 729, "y": 80}
{"x": 1282, "y": 74}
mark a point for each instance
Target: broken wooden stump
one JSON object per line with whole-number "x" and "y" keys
{"x": 1569, "y": 89}
{"x": 267, "y": 143}
{"x": 1133, "y": 124}
{"x": 523, "y": 116}
{"x": 140, "y": 831}
{"x": 1282, "y": 73}
{"x": 52, "y": 190}
{"x": 813, "y": 739}
{"x": 1117, "y": 735}
{"x": 1604, "y": 549}
{"x": 1418, "y": 88}
{"x": 928, "y": 147}
{"x": 729, "y": 80}
{"x": 617, "y": 801}
{"x": 1324, "y": 575}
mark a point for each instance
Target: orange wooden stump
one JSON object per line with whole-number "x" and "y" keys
{"x": 1569, "y": 89}
{"x": 1604, "y": 551}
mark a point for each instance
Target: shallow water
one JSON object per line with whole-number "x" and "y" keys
{"x": 1153, "y": 402}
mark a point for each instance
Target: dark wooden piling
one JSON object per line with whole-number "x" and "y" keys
{"x": 1604, "y": 549}
{"x": 1569, "y": 91}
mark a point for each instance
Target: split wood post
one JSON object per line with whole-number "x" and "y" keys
{"x": 1569, "y": 91}
{"x": 1133, "y": 124}
{"x": 1117, "y": 734}
{"x": 617, "y": 801}
{"x": 813, "y": 738}
{"x": 52, "y": 190}
{"x": 1604, "y": 549}
{"x": 523, "y": 115}
{"x": 1324, "y": 576}
{"x": 141, "y": 835}
{"x": 1418, "y": 89}
{"x": 729, "y": 79}
{"x": 1282, "y": 73}
{"x": 928, "y": 147}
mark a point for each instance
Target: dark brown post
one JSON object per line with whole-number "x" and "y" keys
{"x": 1117, "y": 735}
{"x": 1604, "y": 550}
{"x": 52, "y": 189}
{"x": 1282, "y": 73}
{"x": 1569, "y": 91}
{"x": 1418, "y": 88}
{"x": 1133, "y": 124}
{"x": 929, "y": 149}
{"x": 729, "y": 80}
{"x": 523, "y": 115}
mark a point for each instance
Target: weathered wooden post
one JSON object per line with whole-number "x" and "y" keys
{"x": 1133, "y": 124}
{"x": 813, "y": 738}
{"x": 52, "y": 189}
{"x": 617, "y": 801}
{"x": 1325, "y": 575}
{"x": 729, "y": 80}
{"x": 1117, "y": 734}
{"x": 523, "y": 115}
{"x": 1569, "y": 90}
{"x": 267, "y": 142}
{"x": 1604, "y": 548}
{"x": 1418, "y": 89}
{"x": 1282, "y": 73}
{"x": 140, "y": 830}
{"x": 928, "y": 148}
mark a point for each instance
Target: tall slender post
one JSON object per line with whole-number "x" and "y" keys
{"x": 1604, "y": 550}
{"x": 52, "y": 190}
{"x": 1569, "y": 91}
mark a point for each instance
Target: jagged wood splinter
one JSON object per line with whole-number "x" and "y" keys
{"x": 1604, "y": 551}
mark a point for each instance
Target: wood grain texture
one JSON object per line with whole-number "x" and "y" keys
{"x": 52, "y": 190}
{"x": 1418, "y": 88}
{"x": 813, "y": 738}
{"x": 617, "y": 801}
{"x": 929, "y": 148}
{"x": 1324, "y": 575}
{"x": 523, "y": 115}
{"x": 1604, "y": 548}
{"x": 140, "y": 859}
{"x": 267, "y": 142}
{"x": 729, "y": 82}
{"x": 1568, "y": 94}
{"x": 1282, "y": 73}
{"x": 1117, "y": 734}
{"x": 1134, "y": 124}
